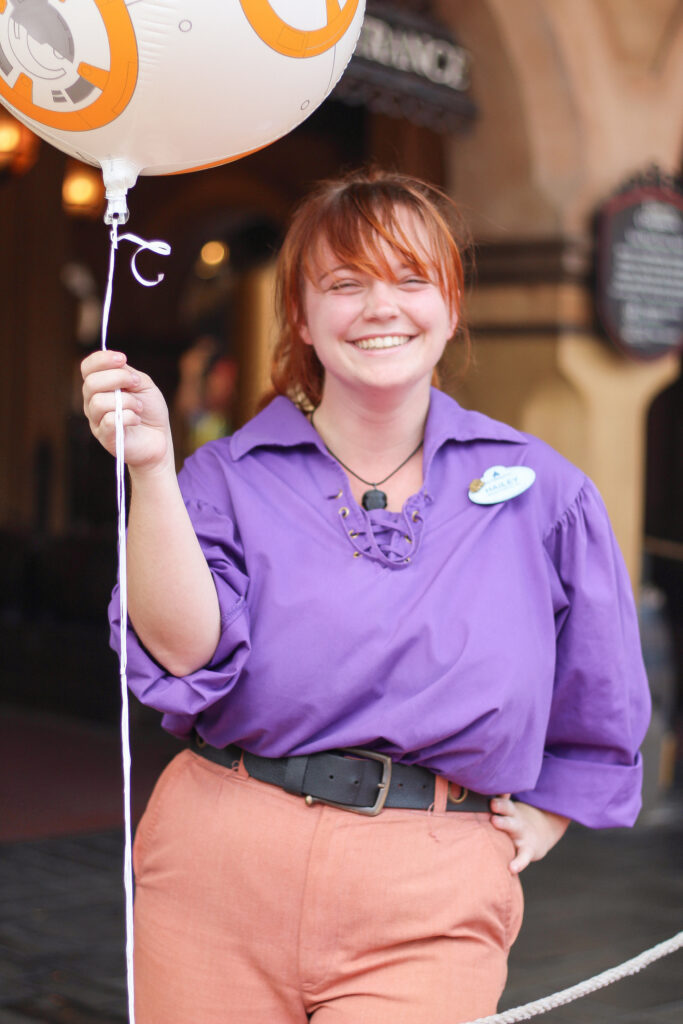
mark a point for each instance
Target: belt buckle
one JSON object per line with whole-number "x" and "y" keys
{"x": 382, "y": 785}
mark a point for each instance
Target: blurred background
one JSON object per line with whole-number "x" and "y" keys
{"x": 558, "y": 127}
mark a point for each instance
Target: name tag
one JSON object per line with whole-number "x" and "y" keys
{"x": 500, "y": 483}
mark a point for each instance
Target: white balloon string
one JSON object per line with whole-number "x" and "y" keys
{"x": 123, "y": 658}
{"x": 162, "y": 249}
{"x": 125, "y": 727}
{"x": 113, "y": 235}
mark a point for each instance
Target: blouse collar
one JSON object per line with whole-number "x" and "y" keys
{"x": 282, "y": 425}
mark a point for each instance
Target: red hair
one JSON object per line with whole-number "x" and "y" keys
{"x": 354, "y": 216}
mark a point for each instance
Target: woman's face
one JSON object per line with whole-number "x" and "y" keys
{"x": 371, "y": 332}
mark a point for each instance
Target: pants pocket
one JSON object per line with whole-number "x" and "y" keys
{"x": 145, "y": 832}
{"x": 503, "y": 849}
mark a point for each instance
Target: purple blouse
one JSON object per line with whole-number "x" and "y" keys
{"x": 494, "y": 644}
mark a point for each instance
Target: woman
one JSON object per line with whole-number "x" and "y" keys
{"x": 337, "y": 577}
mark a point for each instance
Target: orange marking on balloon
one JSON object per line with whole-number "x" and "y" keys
{"x": 96, "y": 76}
{"x": 131, "y": 76}
{"x": 293, "y": 42}
{"x": 218, "y": 163}
{"x": 117, "y": 85}
{"x": 24, "y": 87}
{"x": 3, "y": 5}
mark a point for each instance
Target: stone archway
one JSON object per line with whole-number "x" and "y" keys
{"x": 574, "y": 96}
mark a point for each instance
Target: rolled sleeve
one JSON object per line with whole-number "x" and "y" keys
{"x": 591, "y": 770}
{"x": 182, "y": 698}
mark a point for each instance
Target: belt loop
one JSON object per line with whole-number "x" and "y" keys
{"x": 295, "y": 770}
{"x": 241, "y": 770}
{"x": 440, "y": 794}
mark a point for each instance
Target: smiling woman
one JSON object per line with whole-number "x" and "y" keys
{"x": 347, "y": 310}
{"x": 363, "y": 676}
{"x": 370, "y": 290}
{"x": 379, "y": 226}
{"x": 378, "y": 340}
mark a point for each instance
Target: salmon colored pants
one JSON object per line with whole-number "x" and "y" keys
{"x": 253, "y": 908}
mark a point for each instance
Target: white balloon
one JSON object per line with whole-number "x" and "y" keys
{"x": 162, "y": 86}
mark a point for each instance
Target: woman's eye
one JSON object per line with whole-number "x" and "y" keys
{"x": 345, "y": 285}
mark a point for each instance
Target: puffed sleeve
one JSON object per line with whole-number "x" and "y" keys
{"x": 183, "y": 698}
{"x": 600, "y": 709}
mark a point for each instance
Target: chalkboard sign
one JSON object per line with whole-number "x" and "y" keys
{"x": 640, "y": 267}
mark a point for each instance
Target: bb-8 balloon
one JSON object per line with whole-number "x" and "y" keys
{"x": 162, "y": 86}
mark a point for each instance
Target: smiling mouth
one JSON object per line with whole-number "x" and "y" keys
{"x": 384, "y": 341}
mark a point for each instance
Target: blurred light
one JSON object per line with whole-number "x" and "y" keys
{"x": 82, "y": 190}
{"x": 214, "y": 253}
{"x": 10, "y": 137}
{"x": 18, "y": 145}
{"x": 212, "y": 257}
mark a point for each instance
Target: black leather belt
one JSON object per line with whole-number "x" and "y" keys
{"x": 356, "y": 780}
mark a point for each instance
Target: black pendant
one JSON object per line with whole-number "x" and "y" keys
{"x": 374, "y": 499}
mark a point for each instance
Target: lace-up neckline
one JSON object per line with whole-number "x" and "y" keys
{"x": 390, "y": 538}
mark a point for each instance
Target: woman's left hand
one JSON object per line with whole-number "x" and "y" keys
{"x": 532, "y": 830}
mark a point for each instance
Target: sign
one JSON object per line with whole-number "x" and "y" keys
{"x": 640, "y": 267}
{"x": 405, "y": 48}
{"x": 409, "y": 65}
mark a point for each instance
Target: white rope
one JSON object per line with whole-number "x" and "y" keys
{"x": 584, "y": 988}
{"x": 162, "y": 249}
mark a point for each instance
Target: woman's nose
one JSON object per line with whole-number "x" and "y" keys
{"x": 380, "y": 300}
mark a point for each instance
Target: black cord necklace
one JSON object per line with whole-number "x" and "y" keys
{"x": 373, "y": 498}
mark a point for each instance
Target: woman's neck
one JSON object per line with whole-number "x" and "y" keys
{"x": 372, "y": 436}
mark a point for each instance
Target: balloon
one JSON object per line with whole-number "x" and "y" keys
{"x": 163, "y": 86}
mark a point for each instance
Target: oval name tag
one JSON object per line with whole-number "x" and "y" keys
{"x": 499, "y": 483}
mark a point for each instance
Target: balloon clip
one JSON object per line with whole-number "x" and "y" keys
{"x": 119, "y": 176}
{"x": 117, "y": 208}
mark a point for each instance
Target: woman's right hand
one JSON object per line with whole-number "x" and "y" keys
{"x": 147, "y": 432}
{"x": 172, "y": 598}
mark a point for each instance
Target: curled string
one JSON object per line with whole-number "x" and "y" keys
{"x": 161, "y": 249}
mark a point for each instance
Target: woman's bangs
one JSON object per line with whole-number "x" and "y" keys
{"x": 357, "y": 238}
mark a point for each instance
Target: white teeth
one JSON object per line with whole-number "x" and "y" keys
{"x": 388, "y": 341}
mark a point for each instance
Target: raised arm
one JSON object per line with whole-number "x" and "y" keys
{"x": 172, "y": 599}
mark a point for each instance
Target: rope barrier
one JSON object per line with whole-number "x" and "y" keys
{"x": 584, "y": 988}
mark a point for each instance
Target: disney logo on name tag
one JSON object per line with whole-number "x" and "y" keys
{"x": 500, "y": 483}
